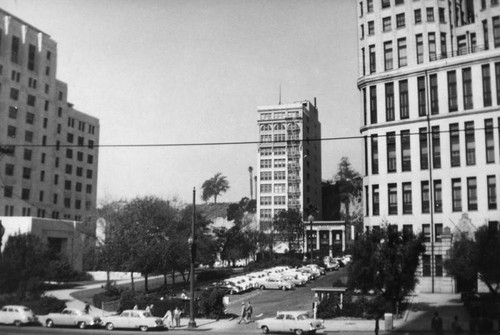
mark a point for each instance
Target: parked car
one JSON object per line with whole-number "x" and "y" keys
{"x": 316, "y": 267}
{"x": 331, "y": 264}
{"x": 230, "y": 286}
{"x": 135, "y": 319}
{"x": 69, "y": 317}
{"x": 276, "y": 284}
{"x": 297, "y": 322}
{"x": 256, "y": 278}
{"x": 17, "y": 315}
{"x": 313, "y": 272}
{"x": 300, "y": 274}
{"x": 293, "y": 278}
{"x": 243, "y": 281}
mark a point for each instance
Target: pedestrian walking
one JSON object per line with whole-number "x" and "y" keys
{"x": 168, "y": 319}
{"x": 86, "y": 309}
{"x": 177, "y": 317}
{"x": 243, "y": 312}
{"x": 455, "y": 326}
{"x": 437, "y": 324}
{"x": 248, "y": 313}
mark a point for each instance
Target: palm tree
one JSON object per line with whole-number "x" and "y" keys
{"x": 214, "y": 186}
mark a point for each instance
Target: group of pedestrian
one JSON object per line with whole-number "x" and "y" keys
{"x": 246, "y": 312}
{"x": 437, "y": 325}
{"x": 170, "y": 318}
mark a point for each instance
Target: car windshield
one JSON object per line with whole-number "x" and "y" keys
{"x": 302, "y": 317}
{"x": 147, "y": 314}
{"x": 26, "y": 309}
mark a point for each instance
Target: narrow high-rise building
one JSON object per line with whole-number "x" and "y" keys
{"x": 289, "y": 160}
{"x": 430, "y": 95}
{"x": 48, "y": 149}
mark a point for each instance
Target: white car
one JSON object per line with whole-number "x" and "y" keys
{"x": 135, "y": 319}
{"x": 256, "y": 278}
{"x": 69, "y": 317}
{"x": 316, "y": 267}
{"x": 297, "y": 322}
{"x": 17, "y": 315}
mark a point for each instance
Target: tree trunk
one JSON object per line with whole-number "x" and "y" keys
{"x": 146, "y": 288}
{"x": 173, "y": 277}
{"x": 132, "y": 281}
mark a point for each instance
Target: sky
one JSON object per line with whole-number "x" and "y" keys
{"x": 195, "y": 71}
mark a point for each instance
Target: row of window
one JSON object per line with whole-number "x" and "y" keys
{"x": 466, "y": 43}
{"x": 280, "y": 151}
{"x": 278, "y": 200}
{"x": 10, "y": 210}
{"x": 383, "y": 4}
{"x": 27, "y": 173}
{"x": 400, "y": 96}
{"x": 400, "y": 20}
{"x": 279, "y": 115}
{"x": 28, "y": 136}
{"x": 32, "y": 59}
{"x": 406, "y": 192}
{"x": 280, "y": 163}
{"x": 454, "y": 132}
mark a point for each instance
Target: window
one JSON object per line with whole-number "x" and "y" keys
{"x": 407, "y": 202}
{"x": 369, "y": 6}
{"x": 388, "y": 55}
{"x": 432, "y": 47}
{"x": 27, "y": 154}
{"x": 424, "y": 151}
{"x": 69, "y": 169}
{"x": 393, "y": 198}
{"x": 391, "y": 152}
{"x": 418, "y": 16}
{"x": 279, "y": 188}
{"x": 373, "y": 104}
{"x": 28, "y": 136}
{"x": 386, "y": 23}
{"x": 386, "y": 3}
{"x": 434, "y": 94}
{"x": 421, "y": 96}
{"x": 25, "y": 194}
{"x": 265, "y": 188}
{"x": 470, "y": 143}
{"x": 438, "y": 259}
{"x": 265, "y": 163}
{"x": 69, "y": 153}
{"x": 88, "y": 189}
{"x": 404, "y": 112}
{"x": 496, "y": 31}
{"x": 373, "y": 66}
{"x": 31, "y": 100}
{"x": 375, "y": 200}
{"x": 13, "y": 112}
{"x": 402, "y": 52}
{"x": 7, "y": 191}
{"x": 426, "y": 264}
{"x": 486, "y": 40}
{"x": 399, "y": 2}
{"x": 389, "y": 101}
{"x": 371, "y": 28}
{"x": 362, "y": 31}
{"x": 280, "y": 162}
{"x": 79, "y": 172}
{"x": 436, "y": 148}
{"x": 11, "y": 131}
{"x": 264, "y": 151}
{"x": 454, "y": 145}
{"x": 26, "y": 173}
{"x": 420, "y": 49}
{"x": 456, "y": 195}
{"x": 444, "y": 51}
{"x": 485, "y": 70}
{"x": 424, "y": 194}
{"x": 490, "y": 144}
{"x": 430, "y": 14}
{"x": 473, "y": 42}
{"x": 374, "y": 147}
{"x": 280, "y": 200}
{"x": 452, "y": 91}
{"x": 14, "y": 50}
{"x": 462, "y": 44}
{"x": 442, "y": 15}
{"x": 492, "y": 192}
{"x": 405, "y": 151}
{"x": 279, "y": 175}
{"x": 400, "y": 20}
{"x": 467, "y": 86}
{"x": 438, "y": 196}
{"x": 471, "y": 194}
{"x": 9, "y": 169}
{"x": 14, "y": 94}
{"x": 30, "y": 118}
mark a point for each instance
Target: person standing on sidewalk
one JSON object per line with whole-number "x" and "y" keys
{"x": 437, "y": 324}
{"x": 243, "y": 312}
{"x": 177, "y": 317}
{"x": 248, "y": 313}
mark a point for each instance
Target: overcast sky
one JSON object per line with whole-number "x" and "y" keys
{"x": 189, "y": 71}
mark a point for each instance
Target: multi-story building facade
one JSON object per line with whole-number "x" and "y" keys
{"x": 289, "y": 159}
{"x": 430, "y": 95}
{"x": 48, "y": 149}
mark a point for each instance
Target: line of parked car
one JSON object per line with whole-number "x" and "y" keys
{"x": 133, "y": 319}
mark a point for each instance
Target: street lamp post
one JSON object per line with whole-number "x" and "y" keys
{"x": 311, "y": 219}
{"x": 192, "y": 248}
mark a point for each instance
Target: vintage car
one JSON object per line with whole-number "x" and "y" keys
{"x": 232, "y": 287}
{"x": 293, "y": 278}
{"x": 69, "y": 317}
{"x": 276, "y": 284}
{"x": 136, "y": 319}
{"x": 17, "y": 315}
{"x": 297, "y": 322}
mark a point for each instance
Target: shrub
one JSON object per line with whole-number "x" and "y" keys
{"x": 352, "y": 306}
{"x": 211, "y": 304}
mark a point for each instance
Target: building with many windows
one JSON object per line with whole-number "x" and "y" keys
{"x": 48, "y": 149}
{"x": 289, "y": 159}
{"x": 430, "y": 94}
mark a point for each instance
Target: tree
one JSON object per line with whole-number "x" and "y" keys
{"x": 386, "y": 262}
{"x": 214, "y": 186}
{"x": 289, "y": 227}
{"x": 477, "y": 258}
{"x": 350, "y": 184}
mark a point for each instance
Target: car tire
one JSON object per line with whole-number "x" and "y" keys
{"x": 110, "y": 326}
{"x": 17, "y": 323}
{"x": 143, "y": 328}
{"x": 49, "y": 323}
{"x": 299, "y": 332}
{"x": 82, "y": 325}
{"x": 265, "y": 330}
